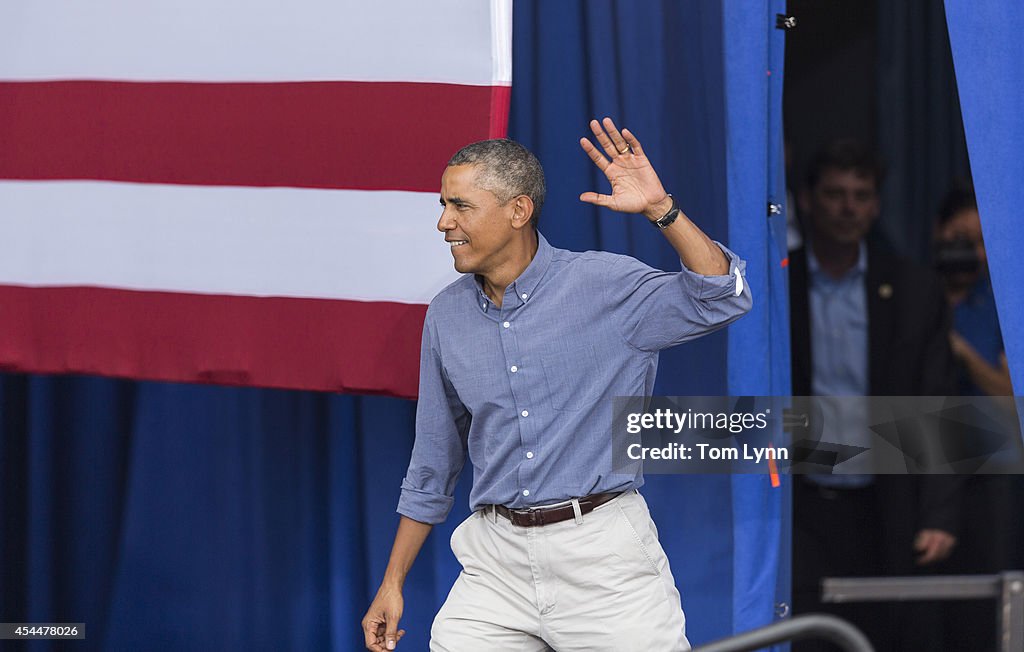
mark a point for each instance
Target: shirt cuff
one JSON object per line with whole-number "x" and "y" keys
{"x": 706, "y": 287}
{"x": 424, "y": 506}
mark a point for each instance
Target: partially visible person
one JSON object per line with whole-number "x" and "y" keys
{"x": 976, "y": 338}
{"x": 864, "y": 323}
{"x": 992, "y": 535}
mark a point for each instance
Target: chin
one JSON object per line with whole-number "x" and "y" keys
{"x": 847, "y": 237}
{"x": 463, "y": 267}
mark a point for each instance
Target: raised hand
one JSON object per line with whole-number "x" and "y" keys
{"x": 635, "y": 185}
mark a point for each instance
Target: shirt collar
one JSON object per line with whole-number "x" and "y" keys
{"x": 860, "y": 267}
{"x": 524, "y": 286}
{"x": 534, "y": 272}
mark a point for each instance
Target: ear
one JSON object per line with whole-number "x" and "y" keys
{"x": 522, "y": 211}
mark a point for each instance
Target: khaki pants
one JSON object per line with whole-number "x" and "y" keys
{"x": 597, "y": 583}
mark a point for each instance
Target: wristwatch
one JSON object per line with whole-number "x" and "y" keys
{"x": 665, "y": 220}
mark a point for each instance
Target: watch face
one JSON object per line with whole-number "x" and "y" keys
{"x": 669, "y": 217}
{"x": 665, "y": 220}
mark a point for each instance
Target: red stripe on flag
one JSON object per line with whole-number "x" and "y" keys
{"x": 501, "y": 100}
{"x": 357, "y": 135}
{"x": 314, "y": 344}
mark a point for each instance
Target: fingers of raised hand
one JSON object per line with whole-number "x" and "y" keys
{"x": 618, "y": 142}
{"x": 605, "y": 139}
{"x": 599, "y": 160}
{"x": 632, "y": 141}
{"x": 596, "y": 199}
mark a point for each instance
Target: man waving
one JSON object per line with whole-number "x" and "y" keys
{"x": 519, "y": 361}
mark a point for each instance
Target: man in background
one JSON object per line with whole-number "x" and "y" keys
{"x": 864, "y": 323}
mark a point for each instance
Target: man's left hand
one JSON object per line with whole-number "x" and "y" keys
{"x": 635, "y": 185}
{"x": 934, "y": 545}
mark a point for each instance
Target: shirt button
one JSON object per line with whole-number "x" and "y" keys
{"x": 529, "y": 455}
{"x": 483, "y": 305}
{"x": 506, "y": 324}
{"x": 514, "y": 369}
{"x": 526, "y": 492}
{"x": 524, "y": 295}
{"x": 525, "y": 413}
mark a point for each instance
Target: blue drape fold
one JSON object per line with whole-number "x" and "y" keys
{"x": 758, "y": 352}
{"x": 988, "y": 58}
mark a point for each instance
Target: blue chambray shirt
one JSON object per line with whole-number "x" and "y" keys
{"x": 839, "y": 357}
{"x": 525, "y": 389}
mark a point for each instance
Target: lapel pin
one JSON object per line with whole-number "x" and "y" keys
{"x": 885, "y": 291}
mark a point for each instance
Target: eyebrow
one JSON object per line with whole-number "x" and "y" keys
{"x": 458, "y": 201}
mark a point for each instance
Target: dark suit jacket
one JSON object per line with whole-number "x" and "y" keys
{"x": 908, "y": 355}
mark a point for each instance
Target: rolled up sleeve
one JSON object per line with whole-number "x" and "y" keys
{"x": 707, "y": 288}
{"x": 656, "y": 309}
{"x": 442, "y": 424}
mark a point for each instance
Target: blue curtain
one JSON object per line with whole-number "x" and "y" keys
{"x": 920, "y": 131}
{"x": 758, "y": 354}
{"x": 988, "y": 56}
{"x": 196, "y": 517}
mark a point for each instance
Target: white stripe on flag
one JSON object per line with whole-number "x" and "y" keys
{"x": 257, "y": 40}
{"x": 289, "y": 242}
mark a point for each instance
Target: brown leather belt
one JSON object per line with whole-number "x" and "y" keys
{"x": 548, "y": 515}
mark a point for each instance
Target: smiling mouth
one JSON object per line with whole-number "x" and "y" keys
{"x": 456, "y": 243}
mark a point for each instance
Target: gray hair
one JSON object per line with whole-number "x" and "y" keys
{"x": 507, "y": 169}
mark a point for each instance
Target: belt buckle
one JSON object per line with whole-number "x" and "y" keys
{"x": 535, "y": 517}
{"x": 529, "y": 517}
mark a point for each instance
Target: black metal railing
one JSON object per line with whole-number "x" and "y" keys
{"x": 819, "y": 626}
{"x": 1006, "y": 588}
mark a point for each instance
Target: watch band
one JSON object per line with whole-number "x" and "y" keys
{"x": 665, "y": 220}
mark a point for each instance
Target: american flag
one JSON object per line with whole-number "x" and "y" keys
{"x": 235, "y": 192}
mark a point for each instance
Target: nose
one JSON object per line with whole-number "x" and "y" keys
{"x": 849, "y": 203}
{"x": 446, "y": 222}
